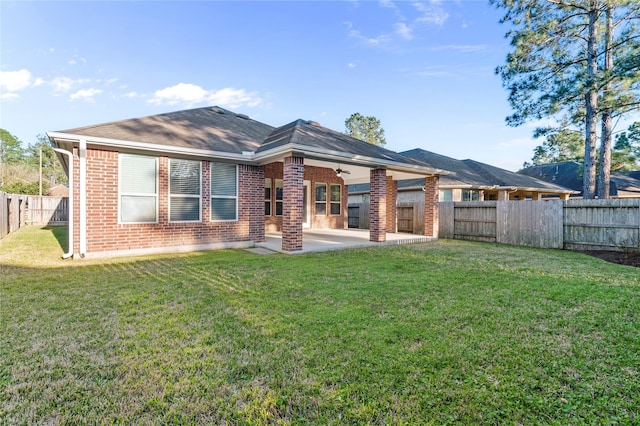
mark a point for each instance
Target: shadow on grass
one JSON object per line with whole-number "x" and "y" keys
{"x": 61, "y": 233}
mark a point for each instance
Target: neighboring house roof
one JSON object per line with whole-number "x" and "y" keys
{"x": 215, "y": 132}
{"x": 569, "y": 174}
{"x": 469, "y": 174}
{"x": 58, "y": 191}
{"x": 634, "y": 174}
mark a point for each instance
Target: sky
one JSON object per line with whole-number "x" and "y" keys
{"x": 425, "y": 69}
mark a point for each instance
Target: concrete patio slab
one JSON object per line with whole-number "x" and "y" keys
{"x": 316, "y": 240}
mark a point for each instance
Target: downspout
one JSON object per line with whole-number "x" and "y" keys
{"x": 69, "y": 155}
{"x": 82, "y": 153}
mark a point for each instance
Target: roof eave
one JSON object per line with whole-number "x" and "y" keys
{"x": 345, "y": 158}
{"x": 245, "y": 157}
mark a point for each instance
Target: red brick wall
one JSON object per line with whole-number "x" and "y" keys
{"x": 378, "y": 206}
{"x": 293, "y": 206}
{"x": 313, "y": 174}
{"x": 431, "y": 196}
{"x": 392, "y": 205}
{"x": 104, "y": 234}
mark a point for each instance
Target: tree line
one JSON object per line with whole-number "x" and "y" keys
{"x": 20, "y": 165}
{"x": 576, "y": 63}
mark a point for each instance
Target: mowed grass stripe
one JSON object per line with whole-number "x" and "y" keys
{"x": 448, "y": 332}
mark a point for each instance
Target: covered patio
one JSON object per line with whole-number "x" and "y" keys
{"x": 317, "y": 240}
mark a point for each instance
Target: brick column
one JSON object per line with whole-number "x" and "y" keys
{"x": 378, "y": 206}
{"x": 252, "y": 200}
{"x": 292, "y": 206}
{"x": 431, "y": 196}
{"x": 503, "y": 195}
{"x": 392, "y": 205}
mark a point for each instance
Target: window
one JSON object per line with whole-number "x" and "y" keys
{"x": 279, "y": 192}
{"x": 336, "y": 198}
{"x": 267, "y": 197}
{"x": 446, "y": 195}
{"x": 470, "y": 195}
{"x": 184, "y": 191}
{"x": 138, "y": 189}
{"x": 224, "y": 191}
{"x": 321, "y": 198}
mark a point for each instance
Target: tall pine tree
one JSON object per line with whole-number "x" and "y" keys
{"x": 573, "y": 60}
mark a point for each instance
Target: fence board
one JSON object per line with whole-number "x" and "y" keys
{"x": 531, "y": 224}
{"x": 602, "y": 224}
{"x": 4, "y": 214}
{"x": 405, "y": 219}
{"x": 475, "y": 220}
{"x": 48, "y": 210}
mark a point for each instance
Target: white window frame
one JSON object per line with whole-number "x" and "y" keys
{"x": 136, "y": 194}
{"x": 331, "y": 202}
{"x": 270, "y": 199}
{"x": 199, "y": 196}
{"x": 326, "y": 198}
{"x": 211, "y": 197}
{"x": 275, "y": 196}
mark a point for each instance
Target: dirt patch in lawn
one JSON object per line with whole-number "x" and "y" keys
{"x": 621, "y": 257}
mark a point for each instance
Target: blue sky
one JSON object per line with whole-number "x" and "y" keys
{"x": 424, "y": 68}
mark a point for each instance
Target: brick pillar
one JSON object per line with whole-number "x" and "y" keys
{"x": 392, "y": 205}
{"x": 252, "y": 199}
{"x": 503, "y": 195}
{"x": 535, "y": 196}
{"x": 564, "y": 196}
{"x": 431, "y": 195}
{"x": 378, "y": 206}
{"x": 292, "y": 206}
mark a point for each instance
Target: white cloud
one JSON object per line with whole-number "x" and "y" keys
{"x": 9, "y": 96}
{"x": 85, "y": 95}
{"x": 13, "y": 81}
{"x": 132, "y": 95}
{"x": 432, "y": 13}
{"x": 65, "y": 84}
{"x": 191, "y": 94}
{"x": 403, "y": 30}
{"x": 351, "y": 65}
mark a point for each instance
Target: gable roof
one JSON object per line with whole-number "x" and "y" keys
{"x": 214, "y": 132}
{"x": 569, "y": 174}
{"x": 210, "y": 128}
{"x": 469, "y": 174}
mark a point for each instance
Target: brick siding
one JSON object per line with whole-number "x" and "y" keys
{"x": 292, "y": 211}
{"x": 105, "y": 234}
{"x": 378, "y": 206}
{"x": 431, "y": 196}
{"x": 314, "y": 175}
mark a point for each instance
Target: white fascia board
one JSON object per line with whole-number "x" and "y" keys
{"x": 344, "y": 157}
{"x": 153, "y": 148}
{"x": 541, "y": 190}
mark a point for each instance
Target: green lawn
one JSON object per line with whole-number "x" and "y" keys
{"x": 442, "y": 333}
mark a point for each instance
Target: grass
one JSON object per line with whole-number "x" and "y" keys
{"x": 442, "y": 333}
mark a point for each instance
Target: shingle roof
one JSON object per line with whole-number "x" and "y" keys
{"x": 467, "y": 174}
{"x": 476, "y": 174}
{"x": 569, "y": 174}
{"x": 209, "y": 128}
{"x": 219, "y": 130}
{"x": 309, "y": 133}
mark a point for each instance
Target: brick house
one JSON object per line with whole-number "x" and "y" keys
{"x": 209, "y": 178}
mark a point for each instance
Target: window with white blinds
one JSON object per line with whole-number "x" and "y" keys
{"x": 224, "y": 191}
{"x": 184, "y": 191}
{"x": 138, "y": 176}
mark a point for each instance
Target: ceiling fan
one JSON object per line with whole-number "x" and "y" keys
{"x": 339, "y": 171}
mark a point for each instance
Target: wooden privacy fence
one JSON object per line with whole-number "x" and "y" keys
{"x": 20, "y": 210}
{"x": 570, "y": 224}
{"x": 47, "y": 210}
{"x": 12, "y": 212}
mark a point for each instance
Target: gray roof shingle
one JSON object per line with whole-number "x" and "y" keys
{"x": 209, "y": 128}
